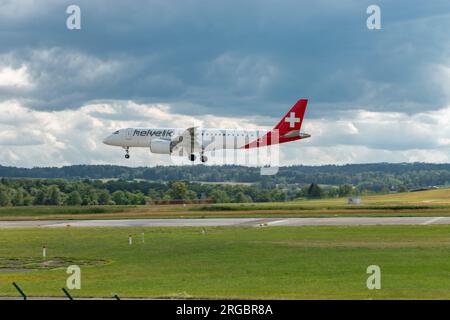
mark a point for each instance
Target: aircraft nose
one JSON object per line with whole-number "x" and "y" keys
{"x": 107, "y": 140}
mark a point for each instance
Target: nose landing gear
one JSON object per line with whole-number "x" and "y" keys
{"x": 127, "y": 152}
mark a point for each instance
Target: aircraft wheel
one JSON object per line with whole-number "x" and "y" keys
{"x": 127, "y": 156}
{"x": 203, "y": 158}
{"x": 192, "y": 157}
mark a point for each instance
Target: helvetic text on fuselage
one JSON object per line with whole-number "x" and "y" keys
{"x": 153, "y": 133}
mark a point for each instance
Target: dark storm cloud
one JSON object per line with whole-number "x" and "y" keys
{"x": 230, "y": 58}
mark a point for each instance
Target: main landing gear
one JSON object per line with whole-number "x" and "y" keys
{"x": 127, "y": 152}
{"x": 203, "y": 158}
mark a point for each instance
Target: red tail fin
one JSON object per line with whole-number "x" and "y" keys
{"x": 288, "y": 129}
{"x": 293, "y": 119}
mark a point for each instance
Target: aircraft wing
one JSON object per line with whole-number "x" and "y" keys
{"x": 188, "y": 141}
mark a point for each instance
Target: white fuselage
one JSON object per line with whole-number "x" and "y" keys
{"x": 192, "y": 140}
{"x": 206, "y": 139}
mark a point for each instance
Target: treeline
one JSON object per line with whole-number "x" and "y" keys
{"x": 26, "y": 192}
{"x": 377, "y": 177}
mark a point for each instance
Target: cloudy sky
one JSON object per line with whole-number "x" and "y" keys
{"x": 375, "y": 95}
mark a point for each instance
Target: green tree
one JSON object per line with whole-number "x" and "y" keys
{"x": 178, "y": 190}
{"x": 166, "y": 197}
{"x": 153, "y": 194}
{"x": 141, "y": 199}
{"x": 333, "y": 192}
{"x": 39, "y": 198}
{"x": 345, "y": 190}
{"x": 191, "y": 195}
{"x": 54, "y": 196}
{"x": 136, "y": 198}
{"x": 74, "y": 199}
{"x": 119, "y": 197}
{"x": 27, "y": 199}
{"x": 219, "y": 196}
{"x": 5, "y": 199}
{"x": 17, "y": 199}
{"x": 315, "y": 191}
{"x": 104, "y": 197}
{"x": 241, "y": 197}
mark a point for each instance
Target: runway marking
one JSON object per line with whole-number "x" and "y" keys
{"x": 433, "y": 220}
{"x": 276, "y": 222}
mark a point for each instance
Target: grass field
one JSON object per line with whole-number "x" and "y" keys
{"x": 424, "y": 203}
{"x": 233, "y": 262}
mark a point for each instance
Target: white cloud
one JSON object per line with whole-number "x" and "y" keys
{"x": 54, "y": 138}
{"x": 384, "y": 130}
{"x": 10, "y": 77}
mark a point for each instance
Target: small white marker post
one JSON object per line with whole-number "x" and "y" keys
{"x": 44, "y": 252}
{"x": 130, "y": 240}
{"x": 143, "y": 237}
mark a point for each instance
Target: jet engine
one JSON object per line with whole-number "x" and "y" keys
{"x": 161, "y": 146}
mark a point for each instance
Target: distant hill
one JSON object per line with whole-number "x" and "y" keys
{"x": 374, "y": 177}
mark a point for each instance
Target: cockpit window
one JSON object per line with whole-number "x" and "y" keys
{"x": 116, "y": 132}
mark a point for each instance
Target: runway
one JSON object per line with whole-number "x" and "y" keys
{"x": 217, "y": 222}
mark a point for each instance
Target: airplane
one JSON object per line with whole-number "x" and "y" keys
{"x": 196, "y": 140}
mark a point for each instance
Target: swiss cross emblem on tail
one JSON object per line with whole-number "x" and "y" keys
{"x": 293, "y": 119}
